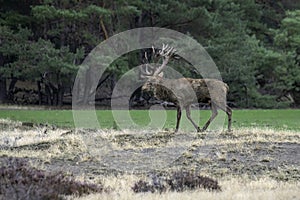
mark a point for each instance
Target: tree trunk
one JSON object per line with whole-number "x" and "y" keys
{"x": 87, "y": 87}
{"x": 40, "y": 92}
{"x": 11, "y": 89}
{"x": 60, "y": 95}
{"x": 3, "y": 90}
{"x": 3, "y": 85}
{"x": 296, "y": 96}
{"x": 48, "y": 95}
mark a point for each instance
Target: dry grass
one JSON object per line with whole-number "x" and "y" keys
{"x": 234, "y": 188}
{"x": 249, "y": 163}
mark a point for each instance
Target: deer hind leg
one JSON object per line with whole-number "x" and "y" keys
{"x": 212, "y": 117}
{"x": 188, "y": 115}
{"x": 228, "y": 111}
{"x": 178, "y": 118}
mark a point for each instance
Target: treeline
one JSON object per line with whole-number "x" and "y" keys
{"x": 255, "y": 44}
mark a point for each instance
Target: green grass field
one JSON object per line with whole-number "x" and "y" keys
{"x": 279, "y": 119}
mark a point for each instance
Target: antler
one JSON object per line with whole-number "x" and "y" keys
{"x": 166, "y": 53}
{"x": 147, "y": 70}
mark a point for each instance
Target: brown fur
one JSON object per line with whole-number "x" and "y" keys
{"x": 185, "y": 91}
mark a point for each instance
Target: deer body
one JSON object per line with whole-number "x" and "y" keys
{"x": 185, "y": 91}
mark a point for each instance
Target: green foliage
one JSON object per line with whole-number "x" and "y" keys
{"x": 234, "y": 51}
{"x": 96, "y": 10}
{"x": 255, "y": 44}
{"x": 16, "y": 48}
{"x": 287, "y": 39}
{"x": 30, "y": 59}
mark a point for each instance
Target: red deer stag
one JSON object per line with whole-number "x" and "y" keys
{"x": 178, "y": 91}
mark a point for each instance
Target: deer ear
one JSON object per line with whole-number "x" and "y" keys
{"x": 161, "y": 74}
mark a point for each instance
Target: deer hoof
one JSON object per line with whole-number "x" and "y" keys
{"x": 199, "y": 130}
{"x": 202, "y": 130}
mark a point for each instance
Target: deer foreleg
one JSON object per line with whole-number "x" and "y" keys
{"x": 178, "y": 118}
{"x": 188, "y": 115}
{"x": 212, "y": 117}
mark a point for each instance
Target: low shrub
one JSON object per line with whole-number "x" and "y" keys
{"x": 176, "y": 181}
{"x": 19, "y": 180}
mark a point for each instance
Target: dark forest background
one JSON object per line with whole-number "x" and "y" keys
{"x": 255, "y": 44}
